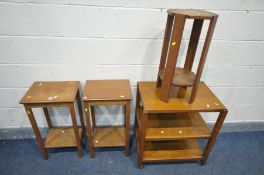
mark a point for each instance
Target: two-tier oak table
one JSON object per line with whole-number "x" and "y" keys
{"x": 170, "y": 131}
{"x": 105, "y": 93}
{"x": 55, "y": 94}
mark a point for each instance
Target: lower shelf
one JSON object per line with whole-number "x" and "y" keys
{"x": 176, "y": 127}
{"x": 61, "y": 137}
{"x": 172, "y": 151}
{"x": 181, "y": 77}
{"x": 109, "y": 136}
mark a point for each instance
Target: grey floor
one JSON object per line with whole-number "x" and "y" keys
{"x": 238, "y": 153}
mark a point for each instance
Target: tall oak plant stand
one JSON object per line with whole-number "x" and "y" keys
{"x": 168, "y": 75}
{"x": 55, "y": 94}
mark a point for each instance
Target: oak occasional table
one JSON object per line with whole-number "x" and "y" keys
{"x": 106, "y": 93}
{"x": 55, "y": 94}
{"x": 170, "y": 131}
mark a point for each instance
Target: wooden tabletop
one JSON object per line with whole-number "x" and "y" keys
{"x": 192, "y": 14}
{"x": 51, "y": 92}
{"x": 107, "y": 90}
{"x": 205, "y": 100}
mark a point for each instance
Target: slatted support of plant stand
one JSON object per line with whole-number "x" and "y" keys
{"x": 168, "y": 74}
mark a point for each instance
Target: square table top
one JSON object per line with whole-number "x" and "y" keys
{"x": 205, "y": 100}
{"x": 104, "y": 90}
{"x": 51, "y": 92}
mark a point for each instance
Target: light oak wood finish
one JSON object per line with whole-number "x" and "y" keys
{"x": 174, "y": 48}
{"x": 168, "y": 131}
{"x": 104, "y": 90}
{"x": 168, "y": 75}
{"x": 61, "y": 137}
{"x": 49, "y": 94}
{"x": 109, "y": 136}
{"x": 192, "y": 13}
{"x": 165, "y": 47}
{"x": 181, "y": 77}
{"x": 106, "y": 93}
{"x": 127, "y": 127}
{"x": 79, "y": 103}
{"x": 75, "y": 128}
{"x": 172, "y": 151}
{"x": 216, "y": 129}
{"x": 89, "y": 128}
{"x": 205, "y": 101}
{"x": 176, "y": 126}
{"x": 46, "y": 112}
{"x": 36, "y": 131}
{"x": 142, "y": 135}
{"x": 93, "y": 116}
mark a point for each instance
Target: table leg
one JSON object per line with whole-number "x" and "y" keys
{"x": 144, "y": 122}
{"x": 136, "y": 107}
{"x": 93, "y": 117}
{"x": 81, "y": 112}
{"x": 76, "y": 130}
{"x": 46, "y": 112}
{"x": 89, "y": 128}
{"x": 215, "y": 132}
{"x": 127, "y": 126}
{"x": 36, "y": 131}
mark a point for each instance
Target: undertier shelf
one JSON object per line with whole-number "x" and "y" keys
{"x": 176, "y": 126}
{"x": 109, "y": 136}
{"x": 181, "y": 77}
{"x": 172, "y": 151}
{"x": 61, "y": 137}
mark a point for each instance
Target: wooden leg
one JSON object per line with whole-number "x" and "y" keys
{"x": 76, "y": 130}
{"x": 36, "y": 131}
{"x": 178, "y": 26}
{"x": 207, "y": 42}
{"x": 127, "y": 126}
{"x": 182, "y": 92}
{"x": 80, "y": 113}
{"x": 46, "y": 112}
{"x": 93, "y": 117}
{"x": 89, "y": 128}
{"x": 193, "y": 43}
{"x": 165, "y": 47}
{"x": 144, "y": 122}
{"x": 193, "y": 92}
{"x": 136, "y": 107}
{"x": 214, "y": 134}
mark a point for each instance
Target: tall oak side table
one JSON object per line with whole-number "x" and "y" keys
{"x": 107, "y": 93}
{"x": 55, "y": 94}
